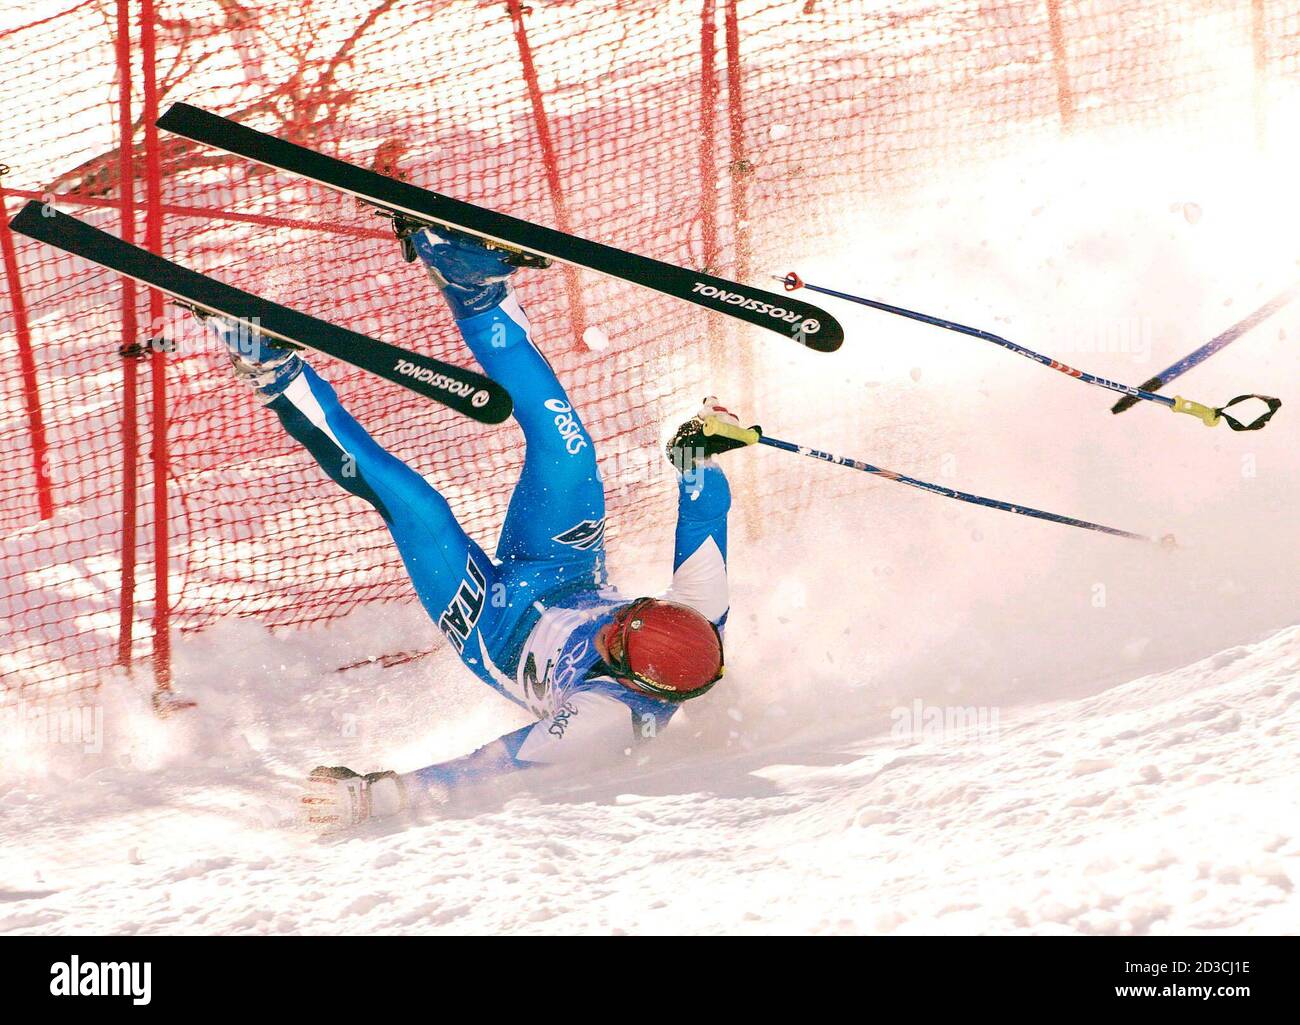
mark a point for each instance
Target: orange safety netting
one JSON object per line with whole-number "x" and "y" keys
{"x": 715, "y": 134}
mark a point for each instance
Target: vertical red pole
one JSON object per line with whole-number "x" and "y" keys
{"x": 1259, "y": 43}
{"x": 1064, "y": 94}
{"x": 130, "y": 332}
{"x": 27, "y": 364}
{"x": 742, "y": 357}
{"x": 153, "y": 232}
{"x": 740, "y": 167}
{"x": 708, "y": 130}
{"x": 710, "y": 246}
{"x": 577, "y": 314}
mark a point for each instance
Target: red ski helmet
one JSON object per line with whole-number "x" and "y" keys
{"x": 664, "y": 649}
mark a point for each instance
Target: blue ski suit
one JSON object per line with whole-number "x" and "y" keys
{"x": 524, "y": 622}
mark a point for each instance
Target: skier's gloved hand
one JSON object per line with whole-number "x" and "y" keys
{"x": 471, "y": 274}
{"x": 712, "y": 430}
{"x": 338, "y": 798}
{"x": 265, "y": 366}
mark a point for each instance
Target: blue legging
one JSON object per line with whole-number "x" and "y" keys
{"x": 552, "y": 540}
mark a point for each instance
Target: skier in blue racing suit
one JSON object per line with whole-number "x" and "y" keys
{"x": 539, "y": 623}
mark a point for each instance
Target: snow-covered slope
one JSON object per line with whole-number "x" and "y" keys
{"x": 1111, "y": 781}
{"x": 1166, "y": 804}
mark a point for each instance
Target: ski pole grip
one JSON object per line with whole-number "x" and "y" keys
{"x": 745, "y": 435}
{"x": 1206, "y": 414}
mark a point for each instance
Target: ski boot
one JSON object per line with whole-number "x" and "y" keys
{"x": 268, "y": 366}
{"x": 470, "y": 272}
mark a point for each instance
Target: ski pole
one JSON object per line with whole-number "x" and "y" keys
{"x": 1208, "y": 415}
{"x": 755, "y": 435}
{"x": 1212, "y": 346}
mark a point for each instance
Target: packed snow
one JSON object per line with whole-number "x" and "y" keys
{"x": 1164, "y": 805}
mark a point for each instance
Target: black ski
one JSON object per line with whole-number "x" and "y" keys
{"x": 793, "y": 318}
{"x": 465, "y": 391}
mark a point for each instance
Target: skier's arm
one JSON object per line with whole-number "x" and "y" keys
{"x": 590, "y": 727}
{"x": 599, "y": 723}
{"x": 700, "y": 545}
{"x": 703, "y": 501}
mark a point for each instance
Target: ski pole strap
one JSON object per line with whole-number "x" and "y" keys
{"x": 1273, "y": 406}
{"x": 1211, "y": 415}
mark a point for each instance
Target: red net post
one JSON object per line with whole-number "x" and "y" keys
{"x": 27, "y": 361}
{"x": 130, "y": 339}
{"x": 554, "y": 182}
{"x": 158, "y": 415}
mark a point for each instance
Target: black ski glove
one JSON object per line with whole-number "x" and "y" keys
{"x": 712, "y": 430}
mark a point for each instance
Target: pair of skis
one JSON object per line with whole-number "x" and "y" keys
{"x": 465, "y": 391}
